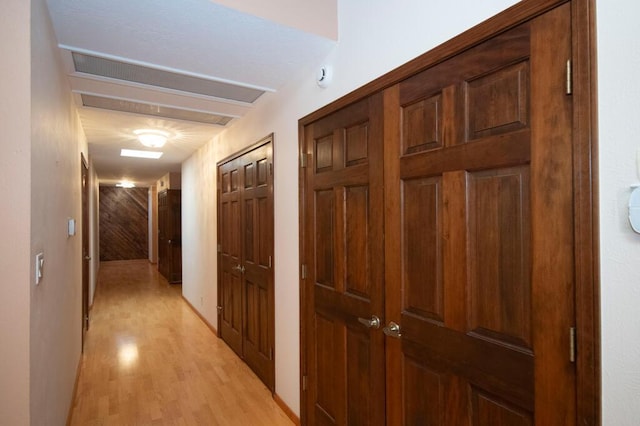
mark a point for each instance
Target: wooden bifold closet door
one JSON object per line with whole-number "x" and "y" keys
{"x": 437, "y": 241}
{"x": 245, "y": 257}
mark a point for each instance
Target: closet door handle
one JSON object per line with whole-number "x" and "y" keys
{"x": 239, "y": 268}
{"x": 392, "y": 330}
{"x": 374, "y": 322}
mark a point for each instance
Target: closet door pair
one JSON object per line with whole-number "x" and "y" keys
{"x": 437, "y": 243}
{"x": 245, "y": 257}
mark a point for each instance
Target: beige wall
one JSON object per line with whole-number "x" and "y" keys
{"x": 15, "y": 169}
{"x": 375, "y": 37}
{"x": 172, "y": 180}
{"x": 56, "y": 143}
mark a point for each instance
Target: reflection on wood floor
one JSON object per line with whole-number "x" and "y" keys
{"x": 149, "y": 360}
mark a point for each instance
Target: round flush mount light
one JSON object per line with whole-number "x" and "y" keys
{"x": 152, "y": 138}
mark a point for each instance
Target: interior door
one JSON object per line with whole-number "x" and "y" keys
{"x": 246, "y": 288}
{"x": 86, "y": 252}
{"x": 343, "y": 219}
{"x": 230, "y": 260}
{"x": 469, "y": 222}
{"x": 479, "y": 235}
{"x": 163, "y": 237}
{"x": 257, "y": 261}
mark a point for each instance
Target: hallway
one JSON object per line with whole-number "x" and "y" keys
{"x": 149, "y": 360}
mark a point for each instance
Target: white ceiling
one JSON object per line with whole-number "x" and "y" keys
{"x": 188, "y": 39}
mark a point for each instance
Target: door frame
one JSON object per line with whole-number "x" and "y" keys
{"x": 585, "y": 173}
{"x": 272, "y": 329}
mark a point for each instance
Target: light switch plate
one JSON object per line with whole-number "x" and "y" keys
{"x": 71, "y": 227}
{"x": 39, "y": 267}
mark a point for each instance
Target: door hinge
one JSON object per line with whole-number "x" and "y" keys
{"x": 572, "y": 344}
{"x": 303, "y": 271}
{"x": 569, "y": 88}
{"x": 271, "y": 169}
{"x": 303, "y": 160}
{"x": 304, "y": 383}
{"x": 219, "y": 248}
{"x": 270, "y": 262}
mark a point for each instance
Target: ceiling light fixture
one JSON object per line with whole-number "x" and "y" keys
{"x": 152, "y": 138}
{"x": 126, "y": 184}
{"x": 140, "y": 154}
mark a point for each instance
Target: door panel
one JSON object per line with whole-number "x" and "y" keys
{"x": 468, "y": 246}
{"x": 246, "y": 259}
{"x": 346, "y": 377}
{"x": 257, "y": 225}
{"x": 229, "y": 255}
{"x": 86, "y": 250}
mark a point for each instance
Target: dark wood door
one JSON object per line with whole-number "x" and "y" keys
{"x": 163, "y": 236}
{"x": 479, "y": 265}
{"x": 257, "y": 251}
{"x": 230, "y": 286}
{"x": 246, "y": 289}
{"x": 477, "y": 295}
{"x": 86, "y": 252}
{"x": 170, "y": 234}
{"x": 343, "y": 219}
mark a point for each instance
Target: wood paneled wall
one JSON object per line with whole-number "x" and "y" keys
{"x": 123, "y": 223}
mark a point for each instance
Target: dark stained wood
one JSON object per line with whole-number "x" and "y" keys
{"x": 422, "y": 228}
{"x": 499, "y": 249}
{"x": 534, "y": 152}
{"x": 230, "y": 287}
{"x": 245, "y": 258}
{"x": 257, "y": 229}
{"x": 487, "y": 343}
{"x": 86, "y": 251}
{"x": 511, "y": 157}
{"x": 552, "y": 219}
{"x": 170, "y": 234}
{"x": 343, "y": 182}
{"x": 585, "y": 158}
{"x": 124, "y": 222}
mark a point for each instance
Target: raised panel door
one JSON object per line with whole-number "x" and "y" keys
{"x": 478, "y": 180}
{"x": 344, "y": 217}
{"x": 246, "y": 288}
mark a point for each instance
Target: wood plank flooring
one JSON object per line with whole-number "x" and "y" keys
{"x": 149, "y": 360}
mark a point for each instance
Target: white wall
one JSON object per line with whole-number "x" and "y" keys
{"x": 56, "y": 143}
{"x": 619, "y": 127}
{"x": 199, "y": 241}
{"x": 15, "y": 167}
{"x": 375, "y": 36}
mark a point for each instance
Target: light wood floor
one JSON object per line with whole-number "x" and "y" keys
{"x": 149, "y": 360}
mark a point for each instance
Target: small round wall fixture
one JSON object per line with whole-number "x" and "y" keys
{"x": 151, "y": 137}
{"x": 324, "y": 76}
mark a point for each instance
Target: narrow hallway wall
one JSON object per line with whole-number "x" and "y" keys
{"x": 57, "y": 140}
{"x": 15, "y": 170}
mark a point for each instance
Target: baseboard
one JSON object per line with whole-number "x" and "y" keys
{"x": 295, "y": 419}
{"x": 204, "y": 320}
{"x": 75, "y": 391}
